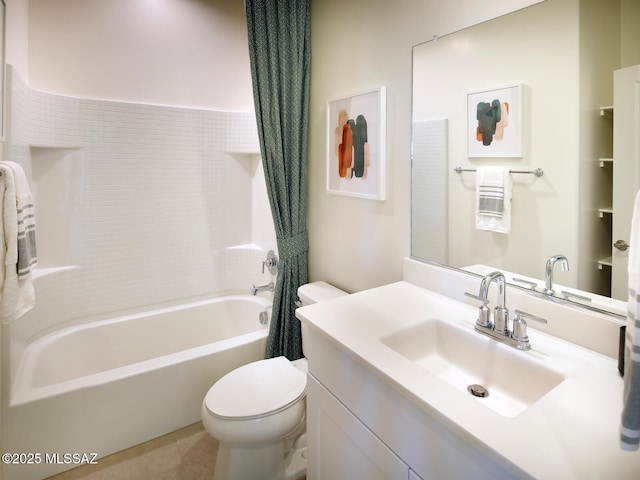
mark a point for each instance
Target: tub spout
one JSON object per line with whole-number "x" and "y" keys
{"x": 262, "y": 288}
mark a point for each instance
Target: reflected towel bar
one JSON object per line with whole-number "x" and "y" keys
{"x": 538, "y": 172}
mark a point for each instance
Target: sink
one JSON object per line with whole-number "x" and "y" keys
{"x": 462, "y": 357}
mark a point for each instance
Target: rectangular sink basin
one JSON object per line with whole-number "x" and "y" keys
{"x": 463, "y": 357}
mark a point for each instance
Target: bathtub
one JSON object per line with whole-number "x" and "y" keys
{"x": 103, "y": 386}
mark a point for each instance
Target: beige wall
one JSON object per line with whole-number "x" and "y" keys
{"x": 630, "y": 12}
{"x": 17, "y": 35}
{"x": 190, "y": 53}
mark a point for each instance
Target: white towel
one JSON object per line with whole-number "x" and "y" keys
{"x": 17, "y": 248}
{"x": 630, "y": 424}
{"x": 493, "y": 199}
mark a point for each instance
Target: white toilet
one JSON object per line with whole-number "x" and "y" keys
{"x": 257, "y": 413}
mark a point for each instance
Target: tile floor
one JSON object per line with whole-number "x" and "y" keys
{"x": 186, "y": 454}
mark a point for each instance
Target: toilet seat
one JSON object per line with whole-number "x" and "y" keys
{"x": 256, "y": 390}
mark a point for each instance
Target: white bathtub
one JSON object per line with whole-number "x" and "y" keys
{"x": 108, "y": 385}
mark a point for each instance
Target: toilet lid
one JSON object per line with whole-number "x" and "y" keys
{"x": 256, "y": 389}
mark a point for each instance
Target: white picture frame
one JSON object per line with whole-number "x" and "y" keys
{"x": 494, "y": 123}
{"x": 356, "y": 145}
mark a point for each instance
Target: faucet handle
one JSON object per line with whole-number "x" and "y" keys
{"x": 477, "y": 297}
{"x": 530, "y": 285}
{"x": 574, "y": 296}
{"x": 483, "y": 319}
{"x": 271, "y": 263}
{"x": 519, "y": 333}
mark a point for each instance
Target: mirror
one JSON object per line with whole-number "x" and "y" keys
{"x": 561, "y": 56}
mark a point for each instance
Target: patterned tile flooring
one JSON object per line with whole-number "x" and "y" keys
{"x": 186, "y": 454}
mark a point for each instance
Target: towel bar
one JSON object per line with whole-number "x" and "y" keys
{"x": 538, "y": 172}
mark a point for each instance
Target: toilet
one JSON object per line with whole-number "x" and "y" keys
{"x": 258, "y": 412}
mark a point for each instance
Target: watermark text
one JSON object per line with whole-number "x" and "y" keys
{"x": 49, "y": 458}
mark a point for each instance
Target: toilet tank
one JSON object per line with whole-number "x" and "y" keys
{"x": 315, "y": 292}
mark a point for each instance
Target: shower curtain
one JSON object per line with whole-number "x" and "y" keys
{"x": 279, "y": 34}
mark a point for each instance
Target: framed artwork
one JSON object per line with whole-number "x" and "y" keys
{"x": 494, "y": 123}
{"x": 356, "y": 145}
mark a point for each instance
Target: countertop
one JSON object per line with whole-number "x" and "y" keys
{"x": 571, "y": 432}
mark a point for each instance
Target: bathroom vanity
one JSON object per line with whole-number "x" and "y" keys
{"x": 388, "y": 375}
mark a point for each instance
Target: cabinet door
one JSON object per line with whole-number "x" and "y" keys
{"x": 339, "y": 446}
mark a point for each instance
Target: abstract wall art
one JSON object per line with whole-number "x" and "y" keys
{"x": 494, "y": 126}
{"x": 356, "y": 145}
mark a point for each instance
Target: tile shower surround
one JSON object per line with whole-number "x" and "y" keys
{"x": 160, "y": 199}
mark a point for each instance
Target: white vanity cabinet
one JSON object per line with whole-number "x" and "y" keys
{"x": 341, "y": 446}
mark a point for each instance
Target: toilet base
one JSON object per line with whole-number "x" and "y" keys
{"x": 296, "y": 462}
{"x": 262, "y": 462}
{"x": 249, "y": 462}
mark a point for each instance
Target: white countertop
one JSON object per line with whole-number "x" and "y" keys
{"x": 571, "y": 432}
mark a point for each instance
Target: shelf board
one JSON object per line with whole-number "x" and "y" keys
{"x": 605, "y": 110}
{"x": 605, "y": 262}
{"x": 605, "y": 161}
{"x": 605, "y": 211}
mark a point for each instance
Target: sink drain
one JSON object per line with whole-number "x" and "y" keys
{"x": 478, "y": 390}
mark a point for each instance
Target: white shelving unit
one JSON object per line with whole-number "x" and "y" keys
{"x": 606, "y": 212}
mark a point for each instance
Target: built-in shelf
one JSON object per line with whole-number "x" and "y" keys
{"x": 605, "y": 262}
{"x": 605, "y": 211}
{"x": 608, "y": 110}
{"x": 56, "y": 179}
{"x": 40, "y": 272}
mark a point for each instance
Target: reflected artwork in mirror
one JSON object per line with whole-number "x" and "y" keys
{"x": 566, "y": 57}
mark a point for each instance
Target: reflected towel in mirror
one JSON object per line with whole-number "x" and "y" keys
{"x": 493, "y": 199}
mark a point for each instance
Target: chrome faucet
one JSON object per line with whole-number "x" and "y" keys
{"x": 499, "y": 329}
{"x": 548, "y": 272}
{"x": 262, "y": 288}
{"x": 271, "y": 263}
{"x": 500, "y": 314}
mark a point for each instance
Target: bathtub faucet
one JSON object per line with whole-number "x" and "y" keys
{"x": 262, "y": 288}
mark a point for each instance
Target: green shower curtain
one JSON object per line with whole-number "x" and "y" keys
{"x": 279, "y": 34}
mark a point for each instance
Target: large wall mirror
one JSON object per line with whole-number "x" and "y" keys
{"x": 561, "y": 61}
